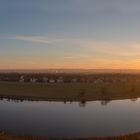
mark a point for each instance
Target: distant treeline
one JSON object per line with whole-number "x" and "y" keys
{"x": 67, "y": 78}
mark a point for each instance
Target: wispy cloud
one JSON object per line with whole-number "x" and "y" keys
{"x": 102, "y": 48}
{"x": 107, "y": 49}
{"x": 130, "y": 49}
{"x": 34, "y": 39}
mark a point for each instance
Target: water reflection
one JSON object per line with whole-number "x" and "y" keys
{"x": 16, "y": 99}
{"x": 67, "y": 119}
{"x": 134, "y": 99}
{"x": 82, "y": 103}
{"x": 105, "y": 102}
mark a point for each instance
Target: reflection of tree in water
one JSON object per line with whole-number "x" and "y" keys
{"x": 1, "y": 98}
{"x": 81, "y": 96}
{"x": 65, "y": 101}
{"x": 82, "y": 103}
{"x": 133, "y": 99}
{"x": 105, "y": 102}
{"x": 71, "y": 101}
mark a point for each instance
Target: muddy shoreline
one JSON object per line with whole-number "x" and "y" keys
{"x": 6, "y": 136}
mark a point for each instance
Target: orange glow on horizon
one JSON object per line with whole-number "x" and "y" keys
{"x": 92, "y": 64}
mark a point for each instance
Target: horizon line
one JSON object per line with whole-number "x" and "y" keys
{"x": 70, "y": 70}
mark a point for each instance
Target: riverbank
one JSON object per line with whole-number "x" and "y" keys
{"x": 69, "y": 91}
{"x": 4, "y": 136}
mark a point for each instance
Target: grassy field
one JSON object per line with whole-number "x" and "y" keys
{"x": 69, "y": 91}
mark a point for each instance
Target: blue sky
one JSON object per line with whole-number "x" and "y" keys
{"x": 69, "y": 34}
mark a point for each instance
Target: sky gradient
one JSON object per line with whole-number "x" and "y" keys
{"x": 90, "y": 34}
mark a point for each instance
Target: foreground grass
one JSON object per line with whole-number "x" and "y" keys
{"x": 69, "y": 91}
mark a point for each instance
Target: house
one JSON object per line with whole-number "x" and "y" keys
{"x": 98, "y": 81}
{"x": 33, "y": 80}
{"x": 51, "y": 81}
{"x": 74, "y": 80}
{"x": 21, "y": 79}
{"x": 45, "y": 79}
{"x": 60, "y": 80}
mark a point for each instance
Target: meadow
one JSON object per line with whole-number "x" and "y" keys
{"x": 69, "y": 91}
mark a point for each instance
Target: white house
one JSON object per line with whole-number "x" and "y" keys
{"x": 51, "y": 81}
{"x": 21, "y": 79}
{"x": 33, "y": 80}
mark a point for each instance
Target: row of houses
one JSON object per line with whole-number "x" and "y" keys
{"x": 76, "y": 80}
{"x": 34, "y": 78}
{"x": 59, "y": 80}
{"x": 48, "y": 80}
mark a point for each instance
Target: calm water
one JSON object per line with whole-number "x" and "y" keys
{"x": 58, "y": 119}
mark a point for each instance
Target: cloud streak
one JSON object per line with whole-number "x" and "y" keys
{"x": 104, "y": 49}
{"x": 33, "y": 39}
{"x": 116, "y": 49}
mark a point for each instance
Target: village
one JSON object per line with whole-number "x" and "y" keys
{"x": 69, "y": 78}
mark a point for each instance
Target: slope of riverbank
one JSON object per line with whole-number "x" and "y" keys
{"x": 69, "y": 91}
{"x": 4, "y": 136}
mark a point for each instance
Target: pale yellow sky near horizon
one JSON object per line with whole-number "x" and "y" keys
{"x": 95, "y": 64}
{"x": 90, "y": 54}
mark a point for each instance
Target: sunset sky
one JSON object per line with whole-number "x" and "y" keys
{"x": 90, "y": 34}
